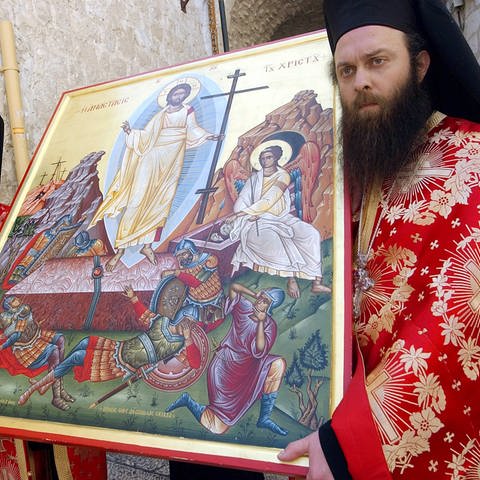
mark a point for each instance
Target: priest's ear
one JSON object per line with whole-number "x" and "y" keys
{"x": 422, "y": 63}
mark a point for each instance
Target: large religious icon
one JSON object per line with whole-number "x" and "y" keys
{"x": 172, "y": 270}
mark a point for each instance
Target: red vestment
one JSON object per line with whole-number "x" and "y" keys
{"x": 414, "y": 411}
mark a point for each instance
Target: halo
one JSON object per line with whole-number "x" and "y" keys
{"x": 193, "y": 82}
{"x": 285, "y": 158}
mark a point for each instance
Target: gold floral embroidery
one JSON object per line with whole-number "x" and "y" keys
{"x": 402, "y": 261}
{"x": 455, "y": 189}
{"x": 466, "y": 464}
{"x": 460, "y": 317}
{"x": 410, "y": 393}
{"x": 405, "y": 439}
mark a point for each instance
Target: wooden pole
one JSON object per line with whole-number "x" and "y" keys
{"x": 14, "y": 100}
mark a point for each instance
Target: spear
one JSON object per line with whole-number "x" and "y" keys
{"x": 130, "y": 381}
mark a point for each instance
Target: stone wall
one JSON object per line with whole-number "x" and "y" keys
{"x": 276, "y": 19}
{"x": 273, "y": 19}
{"x": 66, "y": 44}
{"x": 467, "y": 15}
{"x": 472, "y": 25}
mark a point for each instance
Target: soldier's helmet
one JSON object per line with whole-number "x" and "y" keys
{"x": 189, "y": 311}
{"x": 82, "y": 239}
{"x": 185, "y": 245}
{"x": 7, "y": 302}
{"x": 276, "y": 295}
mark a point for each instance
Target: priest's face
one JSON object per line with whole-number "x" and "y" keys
{"x": 385, "y": 107}
{"x": 371, "y": 64}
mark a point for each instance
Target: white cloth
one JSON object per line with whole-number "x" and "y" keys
{"x": 145, "y": 184}
{"x": 276, "y": 242}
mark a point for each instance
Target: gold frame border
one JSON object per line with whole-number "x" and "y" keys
{"x": 80, "y": 435}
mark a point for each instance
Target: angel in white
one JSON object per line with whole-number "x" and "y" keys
{"x": 272, "y": 239}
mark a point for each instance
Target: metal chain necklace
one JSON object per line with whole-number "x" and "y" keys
{"x": 367, "y": 231}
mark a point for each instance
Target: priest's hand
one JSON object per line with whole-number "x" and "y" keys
{"x": 310, "y": 446}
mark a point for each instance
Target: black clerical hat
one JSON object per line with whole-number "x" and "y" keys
{"x": 454, "y": 73}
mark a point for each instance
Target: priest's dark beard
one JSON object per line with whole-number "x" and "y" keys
{"x": 378, "y": 145}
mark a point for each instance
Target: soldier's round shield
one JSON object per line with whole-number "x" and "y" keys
{"x": 168, "y": 296}
{"x": 176, "y": 374}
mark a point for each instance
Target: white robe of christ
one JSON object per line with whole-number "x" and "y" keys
{"x": 145, "y": 184}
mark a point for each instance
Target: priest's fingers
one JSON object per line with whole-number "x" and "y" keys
{"x": 310, "y": 446}
{"x": 294, "y": 450}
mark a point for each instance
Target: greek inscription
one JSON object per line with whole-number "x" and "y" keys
{"x": 103, "y": 105}
{"x": 297, "y": 62}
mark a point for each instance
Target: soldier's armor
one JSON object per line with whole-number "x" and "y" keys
{"x": 151, "y": 346}
{"x": 210, "y": 289}
{"x": 28, "y": 328}
{"x": 31, "y": 330}
{"x": 33, "y": 339}
{"x": 6, "y": 319}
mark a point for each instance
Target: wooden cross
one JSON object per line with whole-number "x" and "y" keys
{"x": 57, "y": 167}
{"x": 205, "y": 192}
{"x": 43, "y": 178}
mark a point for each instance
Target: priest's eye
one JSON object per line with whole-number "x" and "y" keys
{"x": 346, "y": 71}
{"x": 376, "y": 61}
